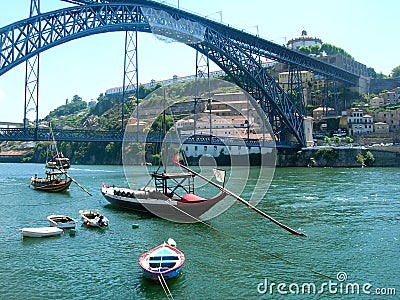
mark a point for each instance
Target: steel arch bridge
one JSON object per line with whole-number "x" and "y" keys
{"x": 237, "y": 53}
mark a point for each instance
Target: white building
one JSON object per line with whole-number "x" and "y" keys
{"x": 359, "y": 122}
{"x": 303, "y": 40}
{"x": 232, "y": 121}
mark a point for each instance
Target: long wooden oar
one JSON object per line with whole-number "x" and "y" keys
{"x": 66, "y": 174}
{"x": 243, "y": 201}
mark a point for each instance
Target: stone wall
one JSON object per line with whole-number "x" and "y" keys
{"x": 378, "y": 85}
{"x": 336, "y": 157}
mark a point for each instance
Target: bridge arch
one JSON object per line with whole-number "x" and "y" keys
{"x": 227, "y": 47}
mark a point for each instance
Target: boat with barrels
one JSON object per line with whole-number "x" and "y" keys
{"x": 57, "y": 179}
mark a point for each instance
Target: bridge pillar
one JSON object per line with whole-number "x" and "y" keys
{"x": 131, "y": 79}
{"x": 202, "y": 72}
{"x": 330, "y": 97}
{"x": 295, "y": 88}
{"x": 32, "y": 73}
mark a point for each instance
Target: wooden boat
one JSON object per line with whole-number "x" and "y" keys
{"x": 164, "y": 260}
{"x": 62, "y": 221}
{"x": 172, "y": 197}
{"x": 41, "y": 231}
{"x": 57, "y": 179}
{"x": 93, "y": 218}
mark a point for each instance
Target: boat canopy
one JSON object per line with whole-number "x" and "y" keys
{"x": 171, "y": 184}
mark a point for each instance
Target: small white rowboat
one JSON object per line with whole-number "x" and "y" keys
{"x": 41, "y": 231}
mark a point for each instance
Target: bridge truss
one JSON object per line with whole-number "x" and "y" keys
{"x": 238, "y": 53}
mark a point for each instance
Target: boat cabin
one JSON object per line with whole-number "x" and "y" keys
{"x": 171, "y": 184}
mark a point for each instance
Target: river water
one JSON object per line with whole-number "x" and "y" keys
{"x": 352, "y": 250}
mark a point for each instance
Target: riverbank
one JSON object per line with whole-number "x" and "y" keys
{"x": 385, "y": 156}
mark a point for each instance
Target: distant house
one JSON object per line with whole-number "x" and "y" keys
{"x": 376, "y": 102}
{"x": 132, "y": 125}
{"x": 390, "y": 117}
{"x": 320, "y": 112}
{"x": 381, "y": 127}
{"x": 360, "y": 123}
{"x": 391, "y": 97}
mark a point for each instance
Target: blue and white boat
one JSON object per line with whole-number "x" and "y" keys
{"x": 162, "y": 261}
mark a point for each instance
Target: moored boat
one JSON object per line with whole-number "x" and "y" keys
{"x": 57, "y": 179}
{"x": 164, "y": 260}
{"x": 62, "y": 221}
{"x": 93, "y": 218}
{"x": 172, "y": 197}
{"x": 40, "y": 231}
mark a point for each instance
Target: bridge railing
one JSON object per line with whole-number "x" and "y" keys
{"x": 43, "y": 134}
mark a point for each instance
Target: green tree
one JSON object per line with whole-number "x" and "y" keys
{"x": 66, "y": 109}
{"x": 315, "y": 49}
{"x": 327, "y": 140}
{"x": 372, "y": 73}
{"x": 369, "y": 158}
{"x": 158, "y": 124}
{"x": 336, "y": 140}
{"x": 305, "y": 49}
{"x": 332, "y": 50}
{"x": 361, "y": 159}
{"x": 349, "y": 140}
{"x": 76, "y": 98}
{"x": 396, "y": 72}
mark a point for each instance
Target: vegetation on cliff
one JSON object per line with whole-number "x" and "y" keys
{"x": 106, "y": 115}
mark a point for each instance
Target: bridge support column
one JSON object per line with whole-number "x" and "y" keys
{"x": 295, "y": 88}
{"x": 202, "y": 72}
{"x": 32, "y": 73}
{"x": 131, "y": 79}
{"x": 330, "y": 97}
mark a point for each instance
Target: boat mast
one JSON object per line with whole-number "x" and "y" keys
{"x": 164, "y": 156}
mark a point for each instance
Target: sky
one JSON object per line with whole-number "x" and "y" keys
{"x": 87, "y": 67}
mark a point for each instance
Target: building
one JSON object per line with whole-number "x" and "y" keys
{"x": 360, "y": 123}
{"x": 320, "y": 112}
{"x": 132, "y": 125}
{"x": 381, "y": 127}
{"x": 391, "y": 97}
{"x": 389, "y": 117}
{"x": 303, "y": 40}
{"x": 376, "y": 102}
{"x": 235, "y": 127}
{"x": 285, "y": 81}
{"x": 347, "y": 63}
{"x": 229, "y": 115}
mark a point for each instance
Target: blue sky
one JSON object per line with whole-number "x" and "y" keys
{"x": 366, "y": 29}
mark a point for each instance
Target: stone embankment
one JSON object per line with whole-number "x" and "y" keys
{"x": 339, "y": 157}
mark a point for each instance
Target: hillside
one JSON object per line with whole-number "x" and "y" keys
{"x": 106, "y": 115}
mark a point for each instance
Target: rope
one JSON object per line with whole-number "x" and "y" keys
{"x": 164, "y": 285}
